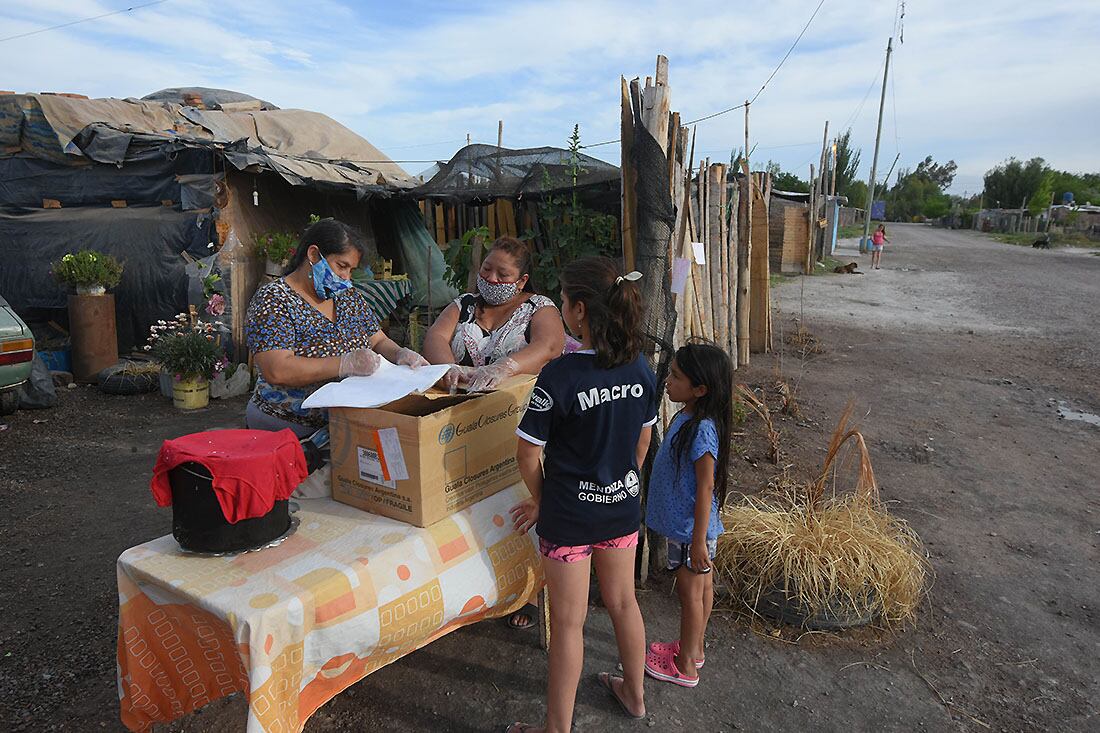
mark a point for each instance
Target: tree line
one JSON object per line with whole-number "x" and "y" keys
{"x": 921, "y": 192}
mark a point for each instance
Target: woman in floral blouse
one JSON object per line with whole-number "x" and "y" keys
{"x": 311, "y": 327}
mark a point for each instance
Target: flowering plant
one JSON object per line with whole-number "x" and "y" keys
{"x": 187, "y": 349}
{"x": 278, "y": 247}
{"x": 87, "y": 269}
{"x": 216, "y": 305}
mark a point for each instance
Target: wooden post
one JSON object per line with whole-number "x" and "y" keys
{"x": 700, "y": 277}
{"x": 716, "y": 254}
{"x": 731, "y": 281}
{"x": 745, "y": 158}
{"x": 760, "y": 309}
{"x": 649, "y": 247}
{"x": 744, "y": 254}
{"x": 811, "y": 222}
{"x": 629, "y": 176}
{"x": 832, "y": 188}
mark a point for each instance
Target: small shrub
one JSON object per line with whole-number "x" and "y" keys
{"x": 87, "y": 268}
{"x": 277, "y": 247}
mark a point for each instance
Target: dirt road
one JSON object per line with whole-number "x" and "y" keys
{"x": 959, "y": 355}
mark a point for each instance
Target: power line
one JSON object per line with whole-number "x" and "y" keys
{"x": 766, "y": 147}
{"x": 789, "y": 50}
{"x": 894, "y": 104}
{"x": 441, "y": 142}
{"x": 719, "y": 114}
{"x": 758, "y": 91}
{"x": 855, "y": 115}
{"x": 82, "y": 20}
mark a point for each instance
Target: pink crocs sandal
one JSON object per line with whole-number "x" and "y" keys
{"x": 662, "y": 666}
{"x": 673, "y": 646}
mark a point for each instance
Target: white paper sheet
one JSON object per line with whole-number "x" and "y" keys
{"x": 389, "y": 383}
{"x": 699, "y": 251}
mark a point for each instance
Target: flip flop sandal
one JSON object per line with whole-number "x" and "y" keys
{"x": 662, "y": 666}
{"x": 523, "y": 612}
{"x": 604, "y": 678}
{"x": 674, "y": 646}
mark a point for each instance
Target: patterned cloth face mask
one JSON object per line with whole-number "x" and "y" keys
{"x": 325, "y": 281}
{"x": 496, "y": 293}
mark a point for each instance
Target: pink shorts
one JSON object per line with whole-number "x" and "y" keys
{"x": 576, "y": 553}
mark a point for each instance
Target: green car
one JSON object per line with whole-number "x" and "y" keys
{"x": 16, "y": 354}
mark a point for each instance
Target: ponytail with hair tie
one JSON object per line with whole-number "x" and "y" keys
{"x": 633, "y": 276}
{"x": 614, "y": 313}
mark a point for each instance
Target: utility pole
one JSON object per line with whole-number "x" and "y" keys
{"x": 500, "y": 133}
{"x": 874, "y": 159}
{"x": 886, "y": 178}
{"x": 820, "y": 201}
{"x": 748, "y": 169}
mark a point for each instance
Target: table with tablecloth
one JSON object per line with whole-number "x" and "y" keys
{"x": 292, "y": 626}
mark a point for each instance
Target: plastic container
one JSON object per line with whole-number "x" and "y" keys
{"x": 58, "y": 361}
{"x": 199, "y": 525}
{"x": 191, "y": 394}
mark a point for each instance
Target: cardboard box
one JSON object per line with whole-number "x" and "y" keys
{"x": 425, "y": 457}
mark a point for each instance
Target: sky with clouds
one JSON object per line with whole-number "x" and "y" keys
{"x": 975, "y": 81}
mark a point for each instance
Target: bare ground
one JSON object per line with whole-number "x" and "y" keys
{"x": 957, "y": 355}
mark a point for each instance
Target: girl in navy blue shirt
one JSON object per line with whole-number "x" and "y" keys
{"x": 687, "y": 487}
{"x": 582, "y": 443}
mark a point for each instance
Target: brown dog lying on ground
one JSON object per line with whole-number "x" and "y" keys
{"x": 849, "y": 269}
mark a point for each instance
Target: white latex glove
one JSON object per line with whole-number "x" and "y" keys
{"x": 457, "y": 375}
{"x": 490, "y": 376}
{"x": 359, "y": 363}
{"x": 409, "y": 358}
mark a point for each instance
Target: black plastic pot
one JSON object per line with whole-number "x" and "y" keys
{"x": 199, "y": 525}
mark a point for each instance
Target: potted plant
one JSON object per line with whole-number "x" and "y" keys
{"x": 87, "y": 275}
{"x": 276, "y": 248}
{"x": 189, "y": 350}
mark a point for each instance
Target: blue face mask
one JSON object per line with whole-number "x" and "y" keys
{"x": 325, "y": 281}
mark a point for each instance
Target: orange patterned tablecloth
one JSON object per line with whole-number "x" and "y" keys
{"x": 294, "y": 625}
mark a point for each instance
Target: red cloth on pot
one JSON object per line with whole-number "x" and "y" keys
{"x": 251, "y": 469}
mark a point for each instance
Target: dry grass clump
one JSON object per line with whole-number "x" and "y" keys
{"x": 140, "y": 368}
{"x": 786, "y": 394}
{"x": 760, "y": 407}
{"x": 826, "y": 552}
{"x": 807, "y": 344}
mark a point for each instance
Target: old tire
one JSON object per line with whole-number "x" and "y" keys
{"x": 838, "y": 615}
{"x": 9, "y": 401}
{"x": 114, "y": 380}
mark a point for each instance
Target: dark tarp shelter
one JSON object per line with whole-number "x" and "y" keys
{"x": 484, "y": 173}
{"x": 185, "y": 181}
{"x": 504, "y": 190}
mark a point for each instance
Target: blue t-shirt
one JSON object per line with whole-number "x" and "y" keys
{"x": 670, "y": 503}
{"x": 589, "y": 420}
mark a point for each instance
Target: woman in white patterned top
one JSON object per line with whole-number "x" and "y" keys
{"x": 501, "y": 330}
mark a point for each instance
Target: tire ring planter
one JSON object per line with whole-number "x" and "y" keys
{"x": 838, "y": 615}
{"x": 115, "y": 379}
{"x": 130, "y": 384}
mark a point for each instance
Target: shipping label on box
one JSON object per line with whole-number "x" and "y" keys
{"x": 424, "y": 457}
